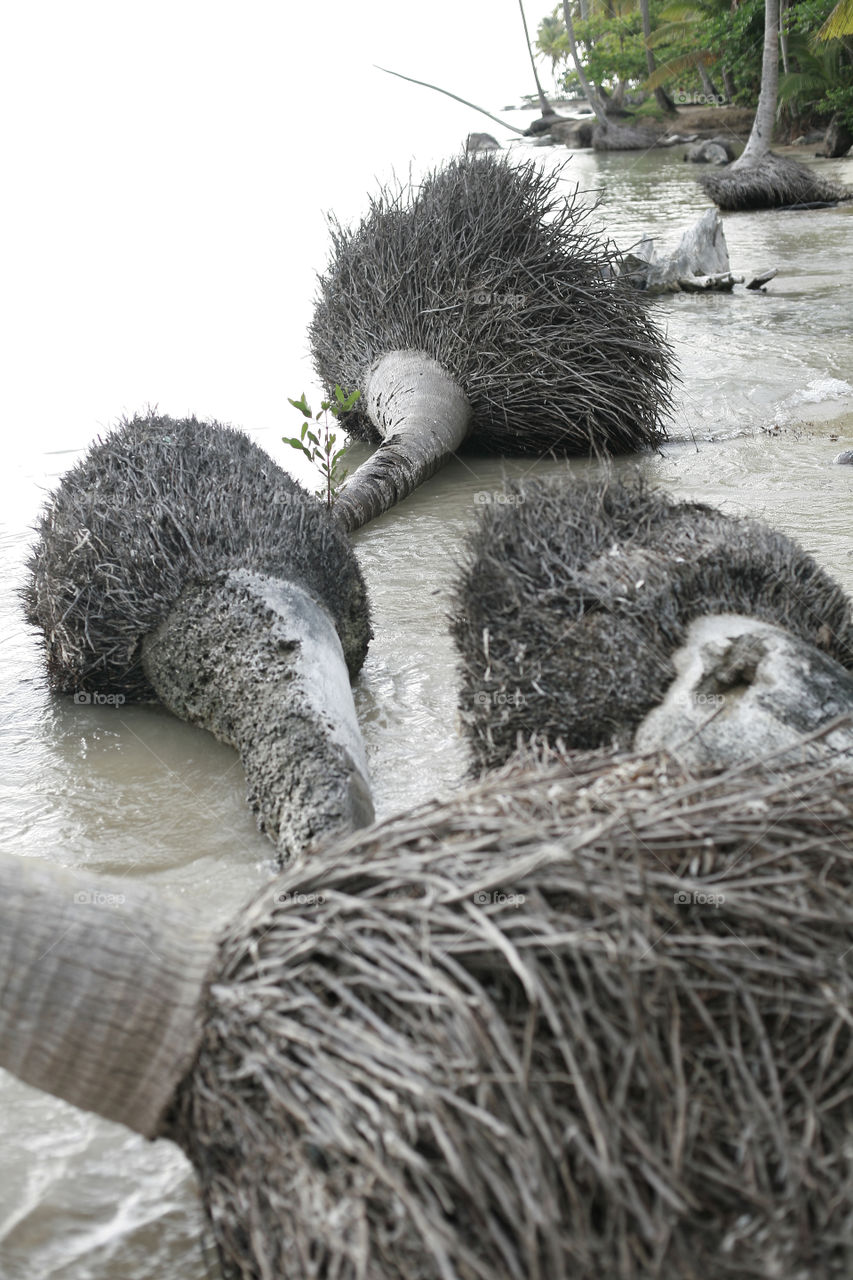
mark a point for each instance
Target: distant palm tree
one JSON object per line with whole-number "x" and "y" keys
{"x": 547, "y": 109}
{"x": 591, "y": 97}
{"x": 662, "y": 97}
{"x": 761, "y": 134}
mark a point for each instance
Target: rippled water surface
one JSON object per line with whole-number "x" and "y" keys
{"x": 763, "y": 406}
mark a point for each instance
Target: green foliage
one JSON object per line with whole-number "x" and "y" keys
{"x": 839, "y": 23}
{"x": 613, "y": 48}
{"x": 819, "y": 82}
{"x": 318, "y": 442}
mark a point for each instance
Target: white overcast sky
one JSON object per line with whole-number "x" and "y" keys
{"x": 165, "y": 167}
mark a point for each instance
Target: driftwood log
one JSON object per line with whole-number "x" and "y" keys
{"x": 699, "y": 263}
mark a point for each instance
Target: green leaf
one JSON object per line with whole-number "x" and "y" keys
{"x": 301, "y": 405}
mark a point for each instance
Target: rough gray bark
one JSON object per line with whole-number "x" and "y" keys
{"x": 761, "y": 134}
{"x": 422, "y": 415}
{"x": 700, "y": 260}
{"x": 100, "y": 981}
{"x": 591, "y": 97}
{"x": 258, "y": 662}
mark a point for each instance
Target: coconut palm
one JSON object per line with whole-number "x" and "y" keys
{"x": 547, "y": 109}
{"x": 758, "y": 179}
{"x": 839, "y": 23}
{"x": 661, "y": 96}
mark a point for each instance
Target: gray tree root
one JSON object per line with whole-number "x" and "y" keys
{"x": 422, "y": 415}
{"x": 100, "y": 982}
{"x": 258, "y": 662}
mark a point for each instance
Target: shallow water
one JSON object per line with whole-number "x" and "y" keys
{"x": 764, "y": 405}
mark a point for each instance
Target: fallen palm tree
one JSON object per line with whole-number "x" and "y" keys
{"x": 576, "y": 596}
{"x": 589, "y": 1018}
{"x": 482, "y": 306}
{"x": 176, "y": 562}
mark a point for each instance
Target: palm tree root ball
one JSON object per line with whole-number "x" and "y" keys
{"x": 588, "y": 1019}
{"x": 773, "y": 182}
{"x": 177, "y": 562}
{"x": 482, "y": 305}
{"x": 576, "y": 595}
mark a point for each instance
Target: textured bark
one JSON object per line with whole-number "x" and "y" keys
{"x": 258, "y": 662}
{"x": 422, "y": 415}
{"x": 100, "y": 982}
{"x": 761, "y": 135}
{"x": 662, "y": 98}
{"x": 591, "y": 97}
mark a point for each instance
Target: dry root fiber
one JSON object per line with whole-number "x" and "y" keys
{"x": 160, "y": 504}
{"x": 491, "y": 270}
{"x": 775, "y": 182}
{"x": 589, "y": 1019}
{"x": 576, "y": 594}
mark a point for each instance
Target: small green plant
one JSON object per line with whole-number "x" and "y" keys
{"x": 318, "y": 442}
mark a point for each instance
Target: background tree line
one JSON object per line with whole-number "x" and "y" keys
{"x": 700, "y": 50}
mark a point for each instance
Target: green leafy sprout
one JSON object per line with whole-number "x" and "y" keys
{"x": 317, "y": 440}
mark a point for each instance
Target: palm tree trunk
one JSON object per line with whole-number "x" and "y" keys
{"x": 100, "y": 989}
{"x": 761, "y": 134}
{"x": 423, "y": 417}
{"x": 661, "y": 96}
{"x": 546, "y": 108}
{"x": 783, "y": 37}
{"x": 708, "y": 85}
{"x": 257, "y": 662}
{"x": 591, "y": 97}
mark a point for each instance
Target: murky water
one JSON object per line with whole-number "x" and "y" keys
{"x": 764, "y": 405}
